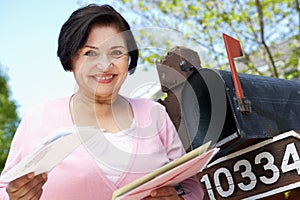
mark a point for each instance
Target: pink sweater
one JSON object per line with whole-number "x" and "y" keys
{"x": 78, "y": 176}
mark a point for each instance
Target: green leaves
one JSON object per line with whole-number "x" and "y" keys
{"x": 8, "y": 118}
{"x": 257, "y": 24}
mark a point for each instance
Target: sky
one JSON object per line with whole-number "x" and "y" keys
{"x": 28, "y": 43}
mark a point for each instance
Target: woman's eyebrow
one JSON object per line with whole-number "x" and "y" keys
{"x": 119, "y": 46}
{"x": 88, "y": 46}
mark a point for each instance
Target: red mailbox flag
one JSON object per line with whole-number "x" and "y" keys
{"x": 234, "y": 50}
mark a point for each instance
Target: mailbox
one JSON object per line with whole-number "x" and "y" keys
{"x": 212, "y": 112}
{"x": 203, "y": 105}
{"x": 254, "y": 120}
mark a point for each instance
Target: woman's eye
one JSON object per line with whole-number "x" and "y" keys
{"x": 90, "y": 53}
{"x": 117, "y": 53}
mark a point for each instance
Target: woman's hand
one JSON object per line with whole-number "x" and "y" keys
{"x": 26, "y": 187}
{"x": 164, "y": 193}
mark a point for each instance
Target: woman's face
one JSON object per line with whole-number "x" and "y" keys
{"x": 101, "y": 65}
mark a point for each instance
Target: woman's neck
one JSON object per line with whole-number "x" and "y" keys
{"x": 110, "y": 114}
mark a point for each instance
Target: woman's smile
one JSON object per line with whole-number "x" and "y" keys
{"x": 104, "y": 78}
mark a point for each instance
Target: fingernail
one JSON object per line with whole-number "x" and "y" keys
{"x": 45, "y": 176}
{"x": 30, "y": 175}
{"x": 153, "y": 193}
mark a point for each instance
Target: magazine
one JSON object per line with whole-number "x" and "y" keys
{"x": 170, "y": 174}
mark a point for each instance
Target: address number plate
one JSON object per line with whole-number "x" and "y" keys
{"x": 261, "y": 170}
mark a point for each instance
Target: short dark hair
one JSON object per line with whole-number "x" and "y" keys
{"x": 74, "y": 32}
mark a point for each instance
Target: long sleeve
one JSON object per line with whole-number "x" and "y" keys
{"x": 191, "y": 185}
{"x": 193, "y": 189}
{"x": 3, "y": 194}
{"x": 15, "y": 155}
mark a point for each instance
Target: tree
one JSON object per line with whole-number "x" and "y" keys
{"x": 8, "y": 118}
{"x": 260, "y": 25}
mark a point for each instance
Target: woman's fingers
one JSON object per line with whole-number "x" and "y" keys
{"x": 15, "y": 185}
{"x": 163, "y": 193}
{"x": 26, "y": 187}
{"x": 36, "y": 192}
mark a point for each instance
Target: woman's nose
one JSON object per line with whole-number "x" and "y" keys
{"x": 104, "y": 63}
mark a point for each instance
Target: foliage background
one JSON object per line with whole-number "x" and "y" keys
{"x": 269, "y": 31}
{"x": 8, "y": 117}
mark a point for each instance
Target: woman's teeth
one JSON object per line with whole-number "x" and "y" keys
{"x": 104, "y": 77}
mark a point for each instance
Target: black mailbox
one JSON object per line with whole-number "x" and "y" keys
{"x": 207, "y": 107}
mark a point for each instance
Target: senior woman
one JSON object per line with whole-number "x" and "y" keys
{"x": 97, "y": 46}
